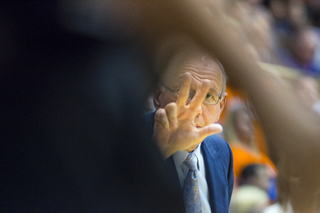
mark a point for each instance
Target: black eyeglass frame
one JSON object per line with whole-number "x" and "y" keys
{"x": 175, "y": 95}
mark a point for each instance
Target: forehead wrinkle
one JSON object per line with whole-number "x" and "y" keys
{"x": 198, "y": 74}
{"x": 200, "y": 68}
{"x": 206, "y": 75}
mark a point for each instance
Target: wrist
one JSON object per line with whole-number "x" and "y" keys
{"x": 166, "y": 152}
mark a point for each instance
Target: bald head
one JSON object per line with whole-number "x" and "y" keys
{"x": 188, "y": 55}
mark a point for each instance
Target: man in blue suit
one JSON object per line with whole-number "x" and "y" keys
{"x": 189, "y": 99}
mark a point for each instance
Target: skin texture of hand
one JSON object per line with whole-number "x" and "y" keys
{"x": 174, "y": 127}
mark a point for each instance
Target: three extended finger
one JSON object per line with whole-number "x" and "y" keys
{"x": 200, "y": 96}
{"x": 184, "y": 91}
{"x": 171, "y": 110}
{"x": 161, "y": 117}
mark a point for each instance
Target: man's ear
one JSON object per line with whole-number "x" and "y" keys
{"x": 156, "y": 96}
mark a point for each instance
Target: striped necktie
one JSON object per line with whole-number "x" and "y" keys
{"x": 191, "y": 194}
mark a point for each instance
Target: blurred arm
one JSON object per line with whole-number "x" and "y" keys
{"x": 289, "y": 126}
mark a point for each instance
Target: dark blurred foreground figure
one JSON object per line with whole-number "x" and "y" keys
{"x": 70, "y": 103}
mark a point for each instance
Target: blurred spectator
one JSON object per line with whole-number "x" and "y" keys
{"x": 278, "y": 10}
{"x": 301, "y": 53}
{"x": 313, "y": 9}
{"x": 254, "y": 26}
{"x": 257, "y": 28}
{"x": 238, "y": 132}
{"x": 297, "y": 14}
{"x": 288, "y": 16}
{"x": 255, "y": 175}
{"x": 259, "y": 175}
{"x": 248, "y": 199}
{"x": 277, "y": 208}
{"x": 283, "y": 204}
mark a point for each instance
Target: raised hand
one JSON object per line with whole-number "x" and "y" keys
{"x": 174, "y": 127}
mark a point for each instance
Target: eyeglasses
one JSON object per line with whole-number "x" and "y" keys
{"x": 211, "y": 98}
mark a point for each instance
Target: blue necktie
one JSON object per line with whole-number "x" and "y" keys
{"x": 191, "y": 194}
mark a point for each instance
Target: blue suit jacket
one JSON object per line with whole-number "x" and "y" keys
{"x": 218, "y": 161}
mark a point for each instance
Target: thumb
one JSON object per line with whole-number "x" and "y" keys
{"x": 209, "y": 130}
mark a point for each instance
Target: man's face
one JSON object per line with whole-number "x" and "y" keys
{"x": 201, "y": 69}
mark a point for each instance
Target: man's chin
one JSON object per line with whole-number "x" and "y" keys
{"x": 191, "y": 149}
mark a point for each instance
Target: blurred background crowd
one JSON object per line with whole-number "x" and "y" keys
{"x": 282, "y": 34}
{"x": 284, "y": 37}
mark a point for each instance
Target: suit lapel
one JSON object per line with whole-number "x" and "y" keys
{"x": 214, "y": 176}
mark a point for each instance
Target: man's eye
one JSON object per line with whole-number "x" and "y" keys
{"x": 209, "y": 96}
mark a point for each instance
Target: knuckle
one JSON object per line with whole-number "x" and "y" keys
{"x": 159, "y": 113}
{"x": 171, "y": 106}
{"x": 171, "y": 110}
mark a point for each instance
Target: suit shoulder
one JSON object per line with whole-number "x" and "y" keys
{"x": 148, "y": 123}
{"x": 217, "y": 143}
{"x": 149, "y": 117}
{"x": 216, "y": 140}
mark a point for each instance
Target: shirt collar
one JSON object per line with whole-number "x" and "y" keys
{"x": 180, "y": 156}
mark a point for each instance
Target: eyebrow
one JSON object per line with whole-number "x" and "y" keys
{"x": 213, "y": 90}
{"x": 210, "y": 90}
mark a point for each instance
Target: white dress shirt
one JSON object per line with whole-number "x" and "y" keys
{"x": 182, "y": 171}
